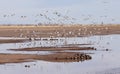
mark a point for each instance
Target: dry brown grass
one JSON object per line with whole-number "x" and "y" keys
{"x": 58, "y": 31}
{"x": 54, "y": 48}
{"x": 55, "y": 57}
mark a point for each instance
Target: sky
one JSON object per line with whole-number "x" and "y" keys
{"x": 59, "y": 11}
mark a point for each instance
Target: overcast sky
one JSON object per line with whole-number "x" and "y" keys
{"x": 72, "y": 11}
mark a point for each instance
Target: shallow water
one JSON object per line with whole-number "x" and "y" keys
{"x": 102, "y": 61}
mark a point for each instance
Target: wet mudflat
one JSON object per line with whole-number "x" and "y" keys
{"x": 84, "y": 55}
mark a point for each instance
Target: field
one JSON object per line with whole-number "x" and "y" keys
{"x": 58, "y": 31}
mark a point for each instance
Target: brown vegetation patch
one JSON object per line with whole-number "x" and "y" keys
{"x": 55, "y": 57}
{"x": 54, "y": 48}
{"x": 58, "y": 31}
{"x": 12, "y": 40}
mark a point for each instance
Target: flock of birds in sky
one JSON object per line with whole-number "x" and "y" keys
{"x": 56, "y": 17}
